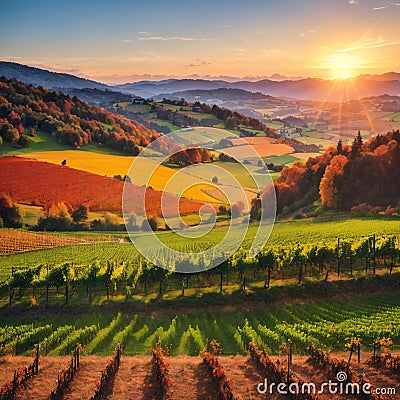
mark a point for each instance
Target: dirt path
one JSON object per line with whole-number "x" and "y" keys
{"x": 309, "y": 373}
{"x": 8, "y": 364}
{"x": 381, "y": 378}
{"x": 41, "y": 385}
{"x": 190, "y": 379}
{"x": 84, "y": 383}
{"x": 133, "y": 380}
{"x": 378, "y": 377}
{"x": 245, "y": 377}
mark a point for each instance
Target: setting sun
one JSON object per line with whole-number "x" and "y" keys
{"x": 345, "y": 74}
{"x": 343, "y": 66}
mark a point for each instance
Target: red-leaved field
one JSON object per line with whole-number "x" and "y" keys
{"x": 40, "y": 183}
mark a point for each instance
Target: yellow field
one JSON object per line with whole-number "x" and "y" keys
{"x": 305, "y": 156}
{"x": 100, "y": 164}
{"x": 110, "y": 165}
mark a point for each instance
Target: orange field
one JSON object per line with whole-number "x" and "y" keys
{"x": 41, "y": 183}
{"x": 263, "y": 145}
{"x": 16, "y": 241}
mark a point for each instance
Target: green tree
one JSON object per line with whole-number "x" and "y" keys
{"x": 266, "y": 261}
{"x": 339, "y": 146}
{"x": 131, "y": 223}
{"x": 80, "y": 214}
{"x": 150, "y": 223}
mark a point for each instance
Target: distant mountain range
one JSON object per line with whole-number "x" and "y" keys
{"x": 304, "y": 89}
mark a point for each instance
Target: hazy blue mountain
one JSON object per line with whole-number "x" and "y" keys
{"x": 304, "y": 89}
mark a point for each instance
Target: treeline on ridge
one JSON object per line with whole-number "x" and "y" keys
{"x": 347, "y": 177}
{"x": 25, "y": 108}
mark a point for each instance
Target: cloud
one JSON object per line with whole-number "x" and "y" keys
{"x": 237, "y": 51}
{"x": 56, "y": 67}
{"x": 369, "y": 43}
{"x": 353, "y": 1}
{"x": 173, "y": 38}
{"x": 10, "y": 58}
{"x": 127, "y": 41}
{"x": 73, "y": 59}
{"x": 379, "y": 8}
{"x": 311, "y": 32}
{"x": 198, "y": 63}
{"x": 145, "y": 33}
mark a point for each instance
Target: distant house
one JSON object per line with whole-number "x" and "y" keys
{"x": 322, "y": 127}
{"x": 196, "y": 109}
{"x": 283, "y": 132}
{"x": 139, "y": 100}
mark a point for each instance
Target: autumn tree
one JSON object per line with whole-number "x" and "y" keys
{"x": 328, "y": 186}
{"x": 9, "y": 212}
{"x": 56, "y": 218}
{"x": 71, "y": 121}
{"x": 191, "y": 156}
{"x": 237, "y": 209}
{"x": 255, "y": 209}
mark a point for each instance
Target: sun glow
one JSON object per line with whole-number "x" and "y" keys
{"x": 345, "y": 74}
{"x": 342, "y": 66}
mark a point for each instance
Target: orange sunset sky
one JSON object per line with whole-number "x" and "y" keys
{"x": 122, "y": 40}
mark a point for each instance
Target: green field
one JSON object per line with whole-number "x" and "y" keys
{"x": 201, "y": 116}
{"x": 172, "y": 127}
{"x": 138, "y": 107}
{"x": 40, "y": 142}
{"x": 138, "y": 315}
{"x": 311, "y": 140}
{"x": 243, "y": 175}
{"x": 392, "y": 117}
{"x": 43, "y": 142}
{"x": 313, "y": 134}
{"x": 289, "y": 234}
{"x": 324, "y": 322}
{"x": 198, "y": 135}
{"x": 284, "y": 159}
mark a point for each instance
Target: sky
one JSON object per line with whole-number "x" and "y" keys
{"x": 123, "y": 41}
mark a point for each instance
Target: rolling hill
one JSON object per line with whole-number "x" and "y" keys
{"x": 223, "y": 94}
{"x": 47, "y": 79}
{"x": 43, "y": 184}
{"x": 304, "y": 89}
{"x": 24, "y": 110}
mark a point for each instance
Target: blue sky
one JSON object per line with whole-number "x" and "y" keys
{"x": 126, "y": 40}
